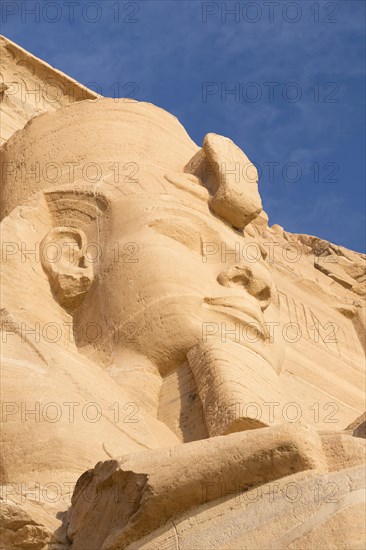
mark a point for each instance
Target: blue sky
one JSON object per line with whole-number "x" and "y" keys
{"x": 297, "y": 70}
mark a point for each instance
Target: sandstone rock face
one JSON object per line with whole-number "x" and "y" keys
{"x": 170, "y": 480}
{"x": 29, "y": 87}
{"x": 176, "y": 372}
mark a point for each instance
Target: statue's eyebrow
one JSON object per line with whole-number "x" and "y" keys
{"x": 187, "y": 216}
{"x": 202, "y": 229}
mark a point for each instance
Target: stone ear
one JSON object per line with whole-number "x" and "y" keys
{"x": 231, "y": 179}
{"x": 69, "y": 271}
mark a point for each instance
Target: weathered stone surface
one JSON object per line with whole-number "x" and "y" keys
{"x": 176, "y": 479}
{"x": 163, "y": 343}
{"x": 305, "y": 511}
{"x": 230, "y": 176}
{"x": 30, "y": 87}
{"x": 358, "y": 427}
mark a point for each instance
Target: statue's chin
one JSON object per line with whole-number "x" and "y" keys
{"x": 166, "y": 344}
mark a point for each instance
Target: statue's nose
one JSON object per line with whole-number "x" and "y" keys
{"x": 253, "y": 277}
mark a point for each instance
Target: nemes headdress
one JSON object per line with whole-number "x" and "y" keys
{"x": 88, "y": 141}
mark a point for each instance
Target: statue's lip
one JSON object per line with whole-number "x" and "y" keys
{"x": 235, "y": 303}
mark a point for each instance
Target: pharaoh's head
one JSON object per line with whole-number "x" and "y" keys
{"x": 145, "y": 235}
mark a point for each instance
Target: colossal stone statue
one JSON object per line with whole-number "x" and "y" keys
{"x": 151, "y": 323}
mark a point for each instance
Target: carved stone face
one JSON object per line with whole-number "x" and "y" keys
{"x": 172, "y": 274}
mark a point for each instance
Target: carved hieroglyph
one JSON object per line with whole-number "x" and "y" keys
{"x": 197, "y": 372}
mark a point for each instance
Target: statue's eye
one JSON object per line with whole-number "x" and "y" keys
{"x": 180, "y": 232}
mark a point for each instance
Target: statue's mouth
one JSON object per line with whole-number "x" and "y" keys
{"x": 245, "y": 313}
